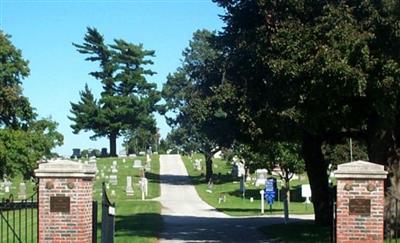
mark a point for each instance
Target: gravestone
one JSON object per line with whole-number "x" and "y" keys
{"x": 122, "y": 153}
{"x": 132, "y": 155}
{"x": 114, "y": 169}
{"x": 147, "y": 166}
{"x": 137, "y": 164}
{"x": 142, "y": 153}
{"x": 144, "y": 187}
{"x": 103, "y": 152}
{"x": 76, "y": 153}
{"x": 360, "y": 202}
{"x": 261, "y": 177}
{"x": 22, "y": 191}
{"x": 238, "y": 169}
{"x": 7, "y": 185}
{"x": 114, "y": 180}
{"x": 197, "y": 164}
{"x": 129, "y": 188}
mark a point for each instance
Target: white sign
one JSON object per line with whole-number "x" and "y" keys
{"x": 111, "y": 211}
{"x": 306, "y": 192}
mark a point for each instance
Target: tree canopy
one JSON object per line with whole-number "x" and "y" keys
{"x": 191, "y": 94}
{"x": 127, "y": 100}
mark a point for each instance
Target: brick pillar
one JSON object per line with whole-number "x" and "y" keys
{"x": 360, "y": 202}
{"x": 65, "y": 201}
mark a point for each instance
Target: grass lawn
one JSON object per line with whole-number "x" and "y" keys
{"x": 297, "y": 232}
{"x": 136, "y": 220}
{"x": 235, "y": 204}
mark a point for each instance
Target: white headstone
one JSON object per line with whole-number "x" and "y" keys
{"x": 22, "y": 191}
{"x": 261, "y": 177}
{"x": 137, "y": 164}
{"x": 129, "y": 188}
{"x": 197, "y": 164}
{"x": 114, "y": 180}
{"x": 144, "y": 187}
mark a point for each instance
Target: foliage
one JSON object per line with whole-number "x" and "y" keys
{"x": 141, "y": 139}
{"x": 21, "y": 149}
{"x": 340, "y": 153}
{"x": 188, "y": 93}
{"x": 15, "y": 109}
{"x": 315, "y": 72}
{"x": 127, "y": 101}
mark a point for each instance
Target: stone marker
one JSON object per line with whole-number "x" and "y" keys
{"x": 197, "y": 164}
{"x": 103, "y": 152}
{"x": 113, "y": 180}
{"x": 129, "y": 188}
{"x": 144, "y": 187}
{"x": 7, "y": 185}
{"x": 137, "y": 164}
{"x": 360, "y": 202}
{"x": 261, "y": 177}
{"x": 22, "y": 191}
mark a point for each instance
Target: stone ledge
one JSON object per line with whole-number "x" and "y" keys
{"x": 361, "y": 170}
{"x": 64, "y": 168}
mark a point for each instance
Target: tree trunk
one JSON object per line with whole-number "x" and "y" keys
{"x": 209, "y": 169}
{"x": 318, "y": 177}
{"x": 113, "y": 144}
{"x": 382, "y": 149}
{"x": 287, "y": 186}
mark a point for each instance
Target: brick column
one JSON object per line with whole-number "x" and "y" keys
{"x": 65, "y": 201}
{"x": 360, "y": 202}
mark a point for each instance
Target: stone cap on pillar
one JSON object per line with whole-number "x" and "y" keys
{"x": 361, "y": 170}
{"x": 64, "y": 168}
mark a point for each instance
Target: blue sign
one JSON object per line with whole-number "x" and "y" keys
{"x": 270, "y": 188}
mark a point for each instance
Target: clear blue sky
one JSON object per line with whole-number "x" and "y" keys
{"x": 45, "y": 29}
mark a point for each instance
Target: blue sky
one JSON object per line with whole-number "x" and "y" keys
{"x": 45, "y": 29}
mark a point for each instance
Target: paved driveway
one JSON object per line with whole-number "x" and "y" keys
{"x": 188, "y": 219}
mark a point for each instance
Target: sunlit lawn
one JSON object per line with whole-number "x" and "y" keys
{"x": 136, "y": 220}
{"x": 236, "y": 204}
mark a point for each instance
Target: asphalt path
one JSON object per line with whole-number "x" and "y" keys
{"x": 189, "y": 219}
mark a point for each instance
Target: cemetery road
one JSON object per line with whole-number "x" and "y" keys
{"x": 188, "y": 219}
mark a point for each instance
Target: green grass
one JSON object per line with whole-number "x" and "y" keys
{"x": 19, "y": 226}
{"x": 297, "y": 232}
{"x": 235, "y": 204}
{"x": 136, "y": 220}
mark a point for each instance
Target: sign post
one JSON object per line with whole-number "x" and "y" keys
{"x": 262, "y": 201}
{"x": 270, "y": 186}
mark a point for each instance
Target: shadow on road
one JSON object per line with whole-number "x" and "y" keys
{"x": 203, "y": 229}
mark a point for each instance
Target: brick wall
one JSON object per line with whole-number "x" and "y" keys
{"x": 60, "y": 227}
{"x": 353, "y": 227}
